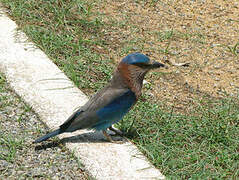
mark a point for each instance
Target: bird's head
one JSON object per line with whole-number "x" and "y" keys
{"x": 134, "y": 67}
{"x": 142, "y": 61}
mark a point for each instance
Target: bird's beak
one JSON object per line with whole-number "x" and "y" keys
{"x": 156, "y": 64}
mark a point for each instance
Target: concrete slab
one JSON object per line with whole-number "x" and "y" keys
{"x": 54, "y": 97}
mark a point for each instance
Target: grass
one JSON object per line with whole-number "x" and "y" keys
{"x": 84, "y": 42}
{"x": 201, "y": 145}
{"x": 9, "y": 146}
{"x": 66, "y": 37}
{"x": 233, "y": 49}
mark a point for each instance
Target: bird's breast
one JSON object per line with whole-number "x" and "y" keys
{"x": 115, "y": 110}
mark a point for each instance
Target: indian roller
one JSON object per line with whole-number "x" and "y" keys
{"x": 110, "y": 104}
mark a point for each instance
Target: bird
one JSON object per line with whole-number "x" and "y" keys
{"x": 110, "y": 104}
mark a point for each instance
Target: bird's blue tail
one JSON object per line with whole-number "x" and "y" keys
{"x": 47, "y": 136}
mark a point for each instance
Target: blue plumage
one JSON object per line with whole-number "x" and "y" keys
{"x": 114, "y": 112}
{"x": 135, "y": 58}
{"x": 110, "y": 104}
{"x": 47, "y": 136}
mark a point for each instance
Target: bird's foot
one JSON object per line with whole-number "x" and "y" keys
{"x": 116, "y": 131}
{"x": 108, "y": 137}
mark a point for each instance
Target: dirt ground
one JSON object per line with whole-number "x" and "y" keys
{"x": 203, "y": 33}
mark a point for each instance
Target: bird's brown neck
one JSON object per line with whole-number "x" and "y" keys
{"x": 132, "y": 76}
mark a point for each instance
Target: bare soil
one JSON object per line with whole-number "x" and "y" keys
{"x": 203, "y": 33}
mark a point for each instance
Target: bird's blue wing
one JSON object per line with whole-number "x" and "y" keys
{"x": 115, "y": 110}
{"x": 105, "y": 108}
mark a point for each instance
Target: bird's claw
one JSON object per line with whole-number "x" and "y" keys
{"x": 108, "y": 137}
{"x": 116, "y": 131}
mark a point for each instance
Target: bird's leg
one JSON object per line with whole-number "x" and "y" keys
{"x": 108, "y": 137}
{"x": 116, "y": 131}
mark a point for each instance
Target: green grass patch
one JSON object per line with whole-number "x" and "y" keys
{"x": 203, "y": 144}
{"x": 9, "y": 147}
{"x": 68, "y": 32}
